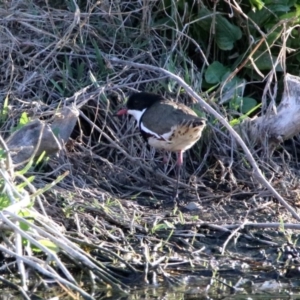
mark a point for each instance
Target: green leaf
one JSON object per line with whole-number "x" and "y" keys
{"x": 29, "y": 216}
{"x": 248, "y": 104}
{"x": 3, "y": 154}
{"x": 263, "y": 61}
{"x": 233, "y": 88}
{"x": 57, "y": 86}
{"x": 46, "y": 243}
{"x": 166, "y": 225}
{"x": 169, "y": 224}
{"x": 24, "y": 226}
{"x": 280, "y": 6}
{"x": 24, "y": 184}
{"x": 297, "y": 6}
{"x": 4, "y": 112}
{"x": 80, "y": 71}
{"x": 256, "y": 4}
{"x": 259, "y": 17}
{"x": 289, "y": 16}
{"x": 4, "y": 201}
{"x": 24, "y": 119}
{"x": 199, "y": 113}
{"x": 215, "y": 72}
{"x": 237, "y": 121}
{"x": 243, "y": 104}
{"x": 41, "y": 157}
{"x": 68, "y": 68}
{"x": 226, "y": 32}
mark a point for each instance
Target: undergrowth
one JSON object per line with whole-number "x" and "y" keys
{"x": 99, "y": 207}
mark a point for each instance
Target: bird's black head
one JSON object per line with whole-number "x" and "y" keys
{"x": 140, "y": 101}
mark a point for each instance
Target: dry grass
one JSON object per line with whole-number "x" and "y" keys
{"x": 114, "y": 225}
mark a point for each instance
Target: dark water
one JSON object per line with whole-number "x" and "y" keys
{"x": 188, "y": 287}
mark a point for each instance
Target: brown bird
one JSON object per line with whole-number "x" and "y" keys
{"x": 165, "y": 124}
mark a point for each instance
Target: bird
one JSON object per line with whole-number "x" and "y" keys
{"x": 165, "y": 125}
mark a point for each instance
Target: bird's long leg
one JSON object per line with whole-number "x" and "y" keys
{"x": 179, "y": 164}
{"x": 165, "y": 158}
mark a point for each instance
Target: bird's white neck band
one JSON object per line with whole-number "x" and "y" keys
{"x": 137, "y": 114}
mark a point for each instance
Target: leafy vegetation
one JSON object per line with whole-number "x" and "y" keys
{"x": 236, "y": 46}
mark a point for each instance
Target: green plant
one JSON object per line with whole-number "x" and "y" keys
{"x": 245, "y": 38}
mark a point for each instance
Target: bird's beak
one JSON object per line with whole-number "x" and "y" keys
{"x": 122, "y": 112}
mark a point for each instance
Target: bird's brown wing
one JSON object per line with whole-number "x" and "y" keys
{"x": 162, "y": 116}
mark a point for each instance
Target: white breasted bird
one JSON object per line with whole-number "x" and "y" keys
{"x": 165, "y": 124}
